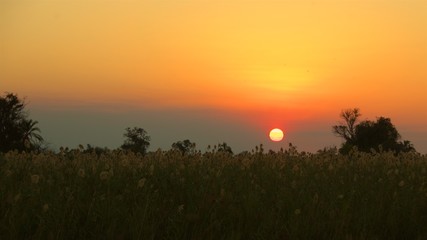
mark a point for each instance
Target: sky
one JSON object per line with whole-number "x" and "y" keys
{"x": 215, "y": 71}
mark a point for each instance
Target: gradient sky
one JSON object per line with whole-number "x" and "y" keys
{"x": 213, "y": 71}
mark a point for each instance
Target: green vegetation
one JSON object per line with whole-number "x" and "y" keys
{"x": 215, "y": 195}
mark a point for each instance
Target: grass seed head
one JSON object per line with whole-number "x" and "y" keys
{"x": 8, "y": 173}
{"x": 17, "y": 197}
{"x": 141, "y": 183}
{"x": 35, "y": 178}
{"x": 295, "y": 169}
{"x": 81, "y": 173}
{"x": 45, "y": 207}
{"x": 180, "y": 208}
{"x": 151, "y": 169}
{"x": 104, "y": 175}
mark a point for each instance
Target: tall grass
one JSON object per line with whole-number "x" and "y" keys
{"x": 164, "y": 195}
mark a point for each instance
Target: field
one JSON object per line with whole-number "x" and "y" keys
{"x": 213, "y": 195}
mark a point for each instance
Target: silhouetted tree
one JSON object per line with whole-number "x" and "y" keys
{"x": 380, "y": 134}
{"x": 347, "y": 129}
{"x": 367, "y": 135}
{"x": 223, "y": 147}
{"x": 31, "y": 137}
{"x": 186, "y": 146}
{"x": 137, "y": 140}
{"x": 16, "y": 130}
{"x": 97, "y": 150}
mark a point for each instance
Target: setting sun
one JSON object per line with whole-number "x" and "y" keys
{"x": 276, "y": 135}
{"x": 215, "y": 71}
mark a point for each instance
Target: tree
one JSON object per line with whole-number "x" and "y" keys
{"x": 223, "y": 147}
{"x": 97, "y": 150}
{"x": 186, "y": 146}
{"x": 367, "y": 135}
{"x": 380, "y": 134}
{"x": 347, "y": 129}
{"x": 137, "y": 140}
{"x": 30, "y": 134}
{"x": 17, "y": 131}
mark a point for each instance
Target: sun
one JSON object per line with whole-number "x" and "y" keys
{"x": 276, "y": 135}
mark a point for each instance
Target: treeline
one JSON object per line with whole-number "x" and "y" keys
{"x": 19, "y": 132}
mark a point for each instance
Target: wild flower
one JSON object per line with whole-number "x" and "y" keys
{"x": 401, "y": 183}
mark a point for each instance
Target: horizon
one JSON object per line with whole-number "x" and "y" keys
{"x": 213, "y": 72}
{"x": 162, "y": 134}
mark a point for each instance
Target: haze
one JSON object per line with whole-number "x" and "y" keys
{"x": 215, "y": 71}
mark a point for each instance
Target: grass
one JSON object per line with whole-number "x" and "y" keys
{"x": 164, "y": 195}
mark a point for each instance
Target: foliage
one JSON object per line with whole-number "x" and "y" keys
{"x": 97, "y": 150}
{"x": 369, "y": 135}
{"x": 17, "y": 131}
{"x": 380, "y": 133}
{"x": 137, "y": 140}
{"x": 223, "y": 147}
{"x": 185, "y": 146}
{"x": 167, "y": 195}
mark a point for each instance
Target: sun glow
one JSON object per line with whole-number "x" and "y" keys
{"x": 276, "y": 135}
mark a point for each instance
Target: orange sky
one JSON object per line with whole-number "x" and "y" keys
{"x": 281, "y": 62}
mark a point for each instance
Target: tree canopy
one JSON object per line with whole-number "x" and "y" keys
{"x": 185, "y": 147}
{"x": 367, "y": 135}
{"x": 223, "y": 147}
{"x": 137, "y": 140}
{"x": 17, "y": 131}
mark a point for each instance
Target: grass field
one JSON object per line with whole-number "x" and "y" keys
{"x": 213, "y": 195}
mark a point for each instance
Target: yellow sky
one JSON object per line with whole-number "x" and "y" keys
{"x": 258, "y": 55}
